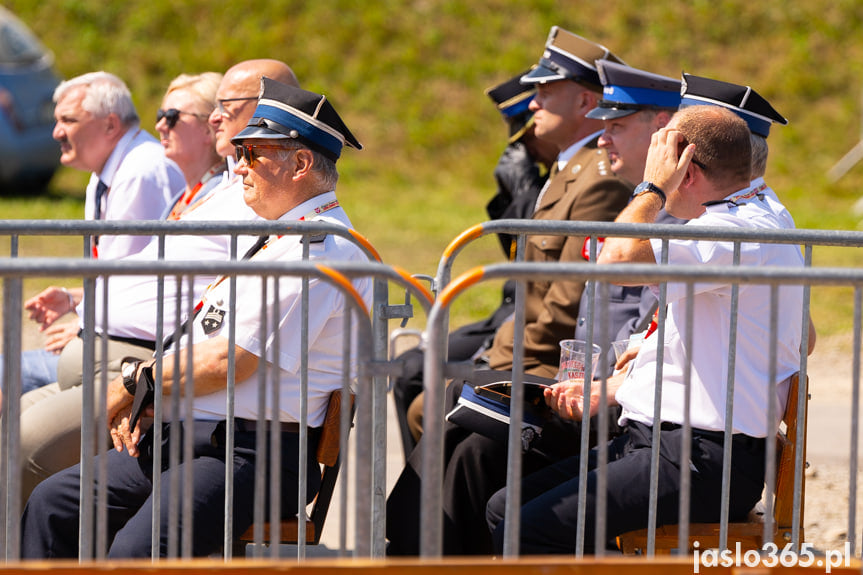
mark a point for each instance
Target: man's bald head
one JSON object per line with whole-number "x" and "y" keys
{"x": 237, "y": 96}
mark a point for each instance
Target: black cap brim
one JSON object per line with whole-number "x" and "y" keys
{"x": 609, "y": 113}
{"x": 258, "y": 133}
{"x": 541, "y": 75}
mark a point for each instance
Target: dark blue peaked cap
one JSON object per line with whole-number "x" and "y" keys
{"x": 512, "y": 97}
{"x": 286, "y": 112}
{"x": 627, "y": 90}
{"x": 742, "y": 100}
{"x": 568, "y": 56}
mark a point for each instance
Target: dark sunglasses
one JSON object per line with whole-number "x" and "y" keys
{"x": 245, "y": 152}
{"x": 172, "y": 116}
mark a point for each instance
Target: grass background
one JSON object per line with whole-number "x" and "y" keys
{"x": 408, "y": 77}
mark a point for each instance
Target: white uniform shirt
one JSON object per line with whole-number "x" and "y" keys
{"x": 141, "y": 182}
{"x": 132, "y": 300}
{"x": 712, "y": 312}
{"x": 771, "y": 200}
{"x": 326, "y": 309}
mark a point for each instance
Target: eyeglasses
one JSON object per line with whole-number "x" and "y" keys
{"x": 172, "y": 116}
{"x": 244, "y": 152}
{"x": 698, "y": 163}
{"x": 220, "y": 104}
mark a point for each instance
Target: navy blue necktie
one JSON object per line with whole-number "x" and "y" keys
{"x": 101, "y": 188}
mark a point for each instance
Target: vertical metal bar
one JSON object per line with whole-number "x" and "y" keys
{"x": 344, "y": 429}
{"x": 261, "y": 464}
{"x": 304, "y": 400}
{"x": 602, "y": 421}
{"x": 11, "y": 432}
{"x": 188, "y": 395}
{"x": 431, "y": 515}
{"x": 276, "y": 435}
{"x": 581, "y": 518}
{"x": 855, "y": 427}
{"x": 725, "y": 494}
{"x": 230, "y": 430}
{"x": 657, "y": 409}
{"x": 174, "y": 438}
{"x": 802, "y": 398}
{"x": 158, "y": 415}
{"x": 512, "y": 515}
{"x": 770, "y": 467}
{"x": 101, "y": 424}
{"x": 686, "y": 441}
{"x": 379, "y": 441}
{"x": 85, "y": 522}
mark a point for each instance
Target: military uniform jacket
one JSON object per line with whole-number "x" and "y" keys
{"x": 584, "y": 190}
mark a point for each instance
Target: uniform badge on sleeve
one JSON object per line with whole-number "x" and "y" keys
{"x": 212, "y": 321}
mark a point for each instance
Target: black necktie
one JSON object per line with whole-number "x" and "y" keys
{"x": 101, "y": 188}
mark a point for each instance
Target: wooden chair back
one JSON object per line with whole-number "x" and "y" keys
{"x": 749, "y": 533}
{"x": 329, "y": 457}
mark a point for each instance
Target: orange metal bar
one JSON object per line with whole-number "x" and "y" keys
{"x": 463, "y": 238}
{"x": 341, "y": 280}
{"x": 460, "y": 284}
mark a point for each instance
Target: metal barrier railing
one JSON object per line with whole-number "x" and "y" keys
{"x": 436, "y": 366}
{"x": 369, "y": 481}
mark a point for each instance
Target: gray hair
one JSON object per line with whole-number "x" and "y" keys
{"x": 323, "y": 167}
{"x": 105, "y": 94}
{"x": 759, "y": 155}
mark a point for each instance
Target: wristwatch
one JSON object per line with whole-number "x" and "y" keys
{"x": 649, "y": 187}
{"x": 129, "y": 370}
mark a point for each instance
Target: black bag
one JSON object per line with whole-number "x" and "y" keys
{"x": 484, "y": 409}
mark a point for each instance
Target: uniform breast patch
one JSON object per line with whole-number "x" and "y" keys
{"x": 212, "y": 320}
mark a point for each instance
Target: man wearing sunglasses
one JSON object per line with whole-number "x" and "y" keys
{"x": 287, "y": 163}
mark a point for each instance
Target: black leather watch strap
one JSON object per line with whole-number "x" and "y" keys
{"x": 649, "y": 187}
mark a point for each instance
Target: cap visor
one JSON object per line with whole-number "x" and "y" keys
{"x": 608, "y": 113}
{"x": 541, "y": 75}
{"x": 258, "y": 133}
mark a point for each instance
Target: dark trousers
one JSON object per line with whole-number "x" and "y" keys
{"x": 550, "y": 497}
{"x": 462, "y": 345}
{"x": 475, "y": 467}
{"x": 50, "y": 520}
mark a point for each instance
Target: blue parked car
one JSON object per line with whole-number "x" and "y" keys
{"x": 28, "y": 154}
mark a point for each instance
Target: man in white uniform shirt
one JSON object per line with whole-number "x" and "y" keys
{"x": 287, "y": 162}
{"x": 709, "y": 185}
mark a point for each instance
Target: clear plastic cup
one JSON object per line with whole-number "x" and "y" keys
{"x": 572, "y": 357}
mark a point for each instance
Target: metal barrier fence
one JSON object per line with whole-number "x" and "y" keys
{"x": 370, "y": 346}
{"x": 436, "y": 368}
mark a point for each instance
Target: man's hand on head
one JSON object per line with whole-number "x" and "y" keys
{"x": 664, "y": 167}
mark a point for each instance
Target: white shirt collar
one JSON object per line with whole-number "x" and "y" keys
{"x": 566, "y": 155}
{"x": 117, "y": 155}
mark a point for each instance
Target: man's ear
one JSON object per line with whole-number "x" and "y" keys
{"x": 303, "y": 162}
{"x": 113, "y": 125}
{"x": 662, "y": 118}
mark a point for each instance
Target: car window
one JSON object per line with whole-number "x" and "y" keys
{"x": 18, "y": 46}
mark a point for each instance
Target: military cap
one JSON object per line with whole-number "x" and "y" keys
{"x": 285, "y": 112}
{"x": 568, "y": 56}
{"x": 512, "y": 99}
{"x": 627, "y": 90}
{"x": 742, "y": 100}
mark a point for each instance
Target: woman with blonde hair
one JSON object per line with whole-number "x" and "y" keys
{"x": 189, "y": 139}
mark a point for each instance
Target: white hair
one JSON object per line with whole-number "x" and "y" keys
{"x": 105, "y": 94}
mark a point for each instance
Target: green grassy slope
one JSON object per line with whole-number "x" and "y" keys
{"x": 408, "y": 77}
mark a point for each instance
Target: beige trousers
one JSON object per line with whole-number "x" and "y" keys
{"x": 51, "y": 415}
